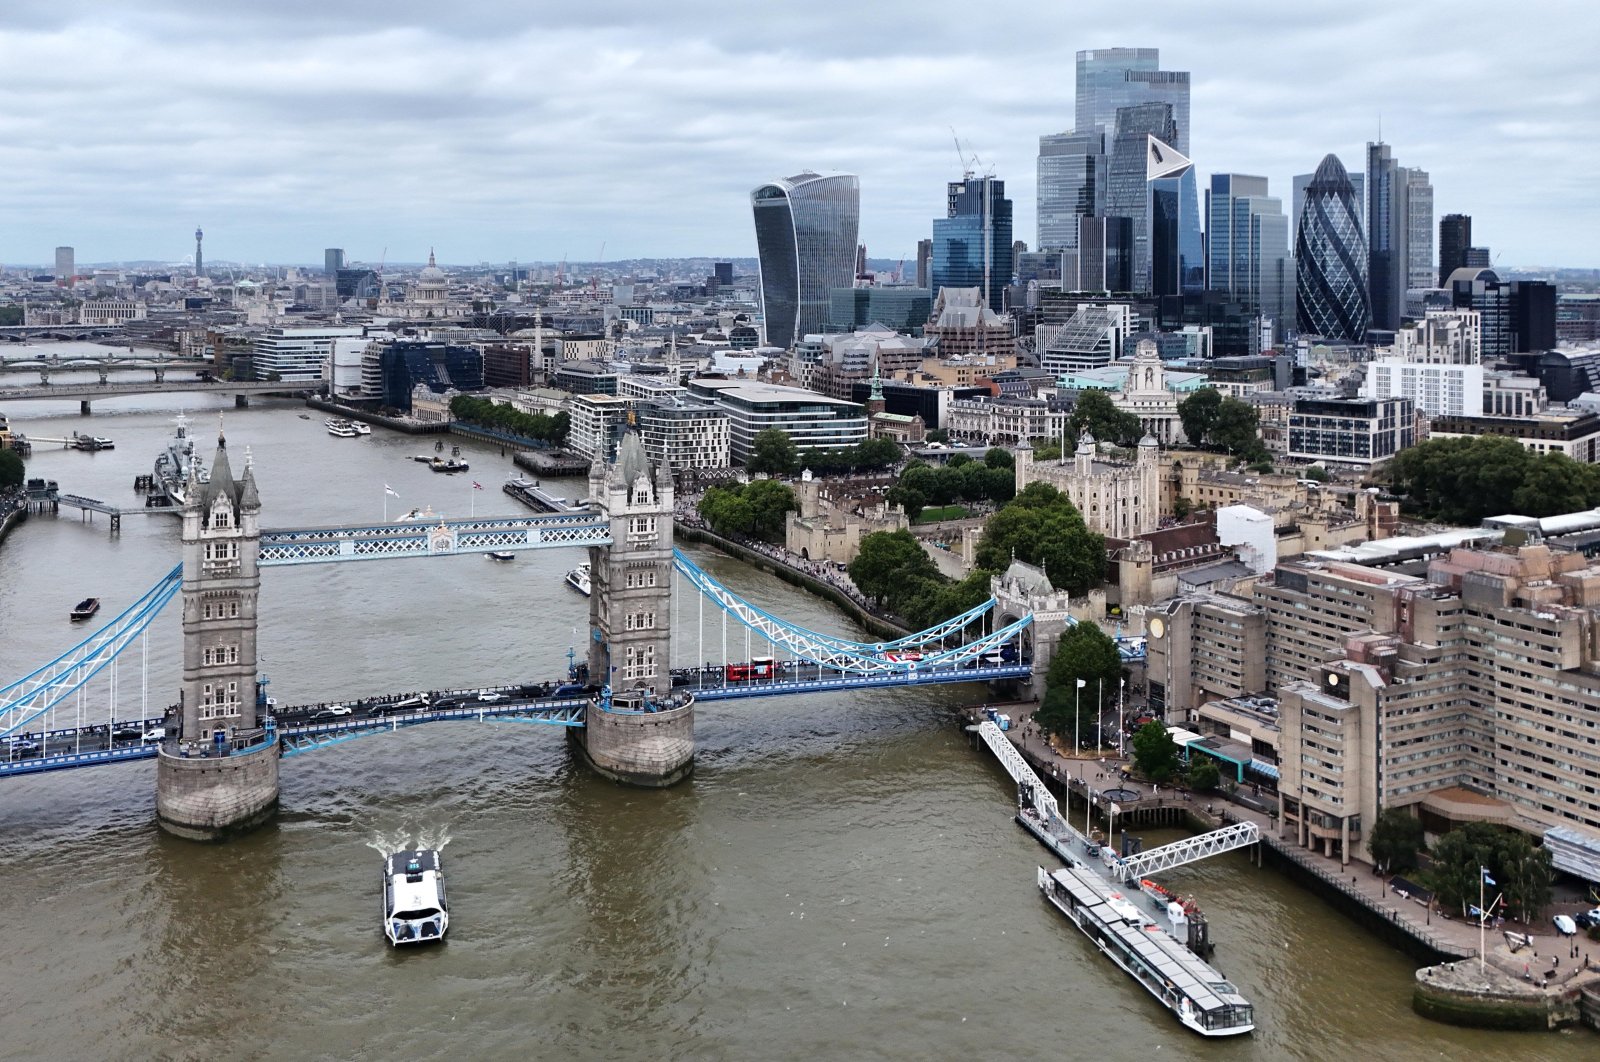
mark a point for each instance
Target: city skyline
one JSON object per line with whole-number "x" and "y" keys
{"x": 493, "y": 136}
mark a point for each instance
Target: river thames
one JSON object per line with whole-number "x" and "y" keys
{"x": 840, "y": 879}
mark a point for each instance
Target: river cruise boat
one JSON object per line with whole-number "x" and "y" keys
{"x": 578, "y": 579}
{"x": 1201, "y": 998}
{"x": 361, "y": 428}
{"x": 448, "y": 465}
{"x": 414, "y": 907}
{"x": 341, "y": 428}
{"x": 86, "y": 608}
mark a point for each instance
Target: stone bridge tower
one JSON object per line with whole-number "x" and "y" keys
{"x": 638, "y": 736}
{"x": 217, "y": 772}
{"x": 1023, "y": 589}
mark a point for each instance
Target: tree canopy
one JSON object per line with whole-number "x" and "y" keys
{"x": 1463, "y": 480}
{"x": 773, "y": 453}
{"x": 1155, "y": 754}
{"x": 1223, "y": 424}
{"x": 11, "y": 470}
{"x": 1095, "y": 412}
{"x": 755, "y": 509}
{"x": 1202, "y": 775}
{"x": 963, "y": 479}
{"x": 1522, "y": 873}
{"x": 1396, "y": 839}
{"x": 1041, "y": 526}
{"x": 1088, "y": 654}
{"x": 505, "y": 418}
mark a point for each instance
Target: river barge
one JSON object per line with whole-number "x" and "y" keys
{"x": 1202, "y": 999}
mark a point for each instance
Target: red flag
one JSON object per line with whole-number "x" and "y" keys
{"x": 476, "y": 485}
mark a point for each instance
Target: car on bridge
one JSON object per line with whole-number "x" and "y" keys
{"x": 153, "y": 735}
{"x": 332, "y": 711}
{"x": 490, "y": 696}
{"x": 126, "y": 731}
{"x": 21, "y": 745}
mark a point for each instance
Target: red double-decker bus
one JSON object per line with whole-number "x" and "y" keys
{"x": 759, "y": 667}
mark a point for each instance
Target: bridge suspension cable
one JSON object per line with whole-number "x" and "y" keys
{"x": 28, "y": 698}
{"x": 842, "y": 654}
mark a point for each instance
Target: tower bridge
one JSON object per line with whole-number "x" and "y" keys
{"x": 626, "y": 711}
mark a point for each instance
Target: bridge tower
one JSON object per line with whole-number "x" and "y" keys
{"x": 1025, "y": 589}
{"x": 638, "y": 736}
{"x": 217, "y": 773}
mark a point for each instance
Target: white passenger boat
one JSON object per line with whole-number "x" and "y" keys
{"x": 414, "y": 907}
{"x": 361, "y": 427}
{"x": 1203, "y": 1000}
{"x": 341, "y": 428}
{"x": 578, "y": 579}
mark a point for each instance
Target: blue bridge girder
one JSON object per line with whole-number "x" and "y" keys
{"x": 436, "y": 538}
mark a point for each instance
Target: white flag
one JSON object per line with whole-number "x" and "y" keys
{"x": 1115, "y": 810}
{"x": 390, "y": 491}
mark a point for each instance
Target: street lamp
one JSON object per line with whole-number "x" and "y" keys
{"x": 1122, "y": 685}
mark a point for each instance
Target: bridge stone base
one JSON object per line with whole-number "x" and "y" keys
{"x": 211, "y": 799}
{"x": 649, "y": 749}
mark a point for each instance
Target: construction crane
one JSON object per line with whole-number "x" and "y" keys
{"x": 899, "y": 271}
{"x": 966, "y": 170}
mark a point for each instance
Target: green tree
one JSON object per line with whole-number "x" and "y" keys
{"x": 873, "y": 454}
{"x": 1197, "y": 413}
{"x": 1395, "y": 839}
{"x": 772, "y": 452}
{"x": 1236, "y": 429}
{"x": 1042, "y": 527}
{"x": 1521, "y": 872}
{"x": 937, "y": 435}
{"x": 888, "y": 558}
{"x": 908, "y": 498}
{"x": 1463, "y": 480}
{"x": 1155, "y": 754}
{"x": 1203, "y": 774}
{"x": 11, "y": 315}
{"x": 12, "y": 470}
{"x": 1089, "y": 653}
{"x": 770, "y": 503}
{"x": 1316, "y": 472}
{"x": 999, "y": 457}
{"x": 1067, "y": 713}
{"x": 1096, "y": 413}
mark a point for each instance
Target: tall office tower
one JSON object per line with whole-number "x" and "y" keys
{"x": 1104, "y": 261}
{"x": 1399, "y": 234}
{"x": 861, "y": 259}
{"x": 723, "y": 271}
{"x": 1072, "y": 184}
{"x": 924, "y": 260}
{"x": 1455, "y": 236}
{"x": 1385, "y": 255}
{"x": 1128, "y": 178}
{"x": 1358, "y": 181}
{"x": 1247, "y": 246}
{"x": 1417, "y": 201}
{"x": 199, "y": 257}
{"x": 333, "y": 261}
{"x": 1177, "y": 250}
{"x": 1110, "y": 79}
{"x": 65, "y": 269}
{"x": 1330, "y": 257}
{"x": 806, "y": 228}
{"x": 972, "y": 242}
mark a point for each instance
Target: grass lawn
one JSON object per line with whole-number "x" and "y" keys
{"x": 935, "y": 513}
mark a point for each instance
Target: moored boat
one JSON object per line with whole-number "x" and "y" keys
{"x": 1202, "y": 999}
{"x": 173, "y": 466}
{"x": 414, "y": 906}
{"x": 441, "y": 464}
{"x": 86, "y": 608}
{"x": 361, "y": 427}
{"x": 501, "y": 555}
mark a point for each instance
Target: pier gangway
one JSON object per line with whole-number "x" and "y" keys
{"x": 1188, "y": 850}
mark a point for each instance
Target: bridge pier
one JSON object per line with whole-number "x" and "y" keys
{"x": 83, "y": 408}
{"x": 630, "y": 744}
{"x": 215, "y": 797}
{"x": 241, "y": 401}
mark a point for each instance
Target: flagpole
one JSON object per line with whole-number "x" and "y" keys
{"x": 386, "y": 503}
{"x": 1481, "y": 873}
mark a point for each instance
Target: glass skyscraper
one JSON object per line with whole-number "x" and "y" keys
{"x": 1247, "y": 246}
{"x": 1399, "y": 234}
{"x": 1128, "y": 177}
{"x": 1072, "y": 184}
{"x": 1177, "y": 250}
{"x": 972, "y": 243}
{"x": 1110, "y": 79}
{"x": 1331, "y": 257}
{"x": 806, "y": 230}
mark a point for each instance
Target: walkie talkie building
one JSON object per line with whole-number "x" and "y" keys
{"x": 1331, "y": 258}
{"x": 806, "y": 229}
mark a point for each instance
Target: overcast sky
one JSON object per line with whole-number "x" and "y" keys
{"x": 534, "y": 131}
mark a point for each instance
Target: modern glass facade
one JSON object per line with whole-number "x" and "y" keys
{"x": 1455, "y": 236}
{"x": 902, "y": 309}
{"x": 1128, "y": 192}
{"x": 972, "y": 244}
{"x": 1110, "y": 79}
{"x": 1072, "y": 184}
{"x": 1247, "y": 253}
{"x": 1330, "y": 255}
{"x": 806, "y": 232}
{"x": 1399, "y": 234}
{"x": 1177, "y": 250}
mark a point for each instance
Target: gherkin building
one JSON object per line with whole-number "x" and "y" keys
{"x": 1331, "y": 258}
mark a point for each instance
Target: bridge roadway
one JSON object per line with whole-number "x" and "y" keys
{"x": 91, "y": 391}
{"x": 307, "y": 727}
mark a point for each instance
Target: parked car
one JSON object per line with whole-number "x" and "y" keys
{"x": 1565, "y": 925}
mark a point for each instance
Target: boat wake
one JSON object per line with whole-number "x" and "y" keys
{"x": 401, "y": 840}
